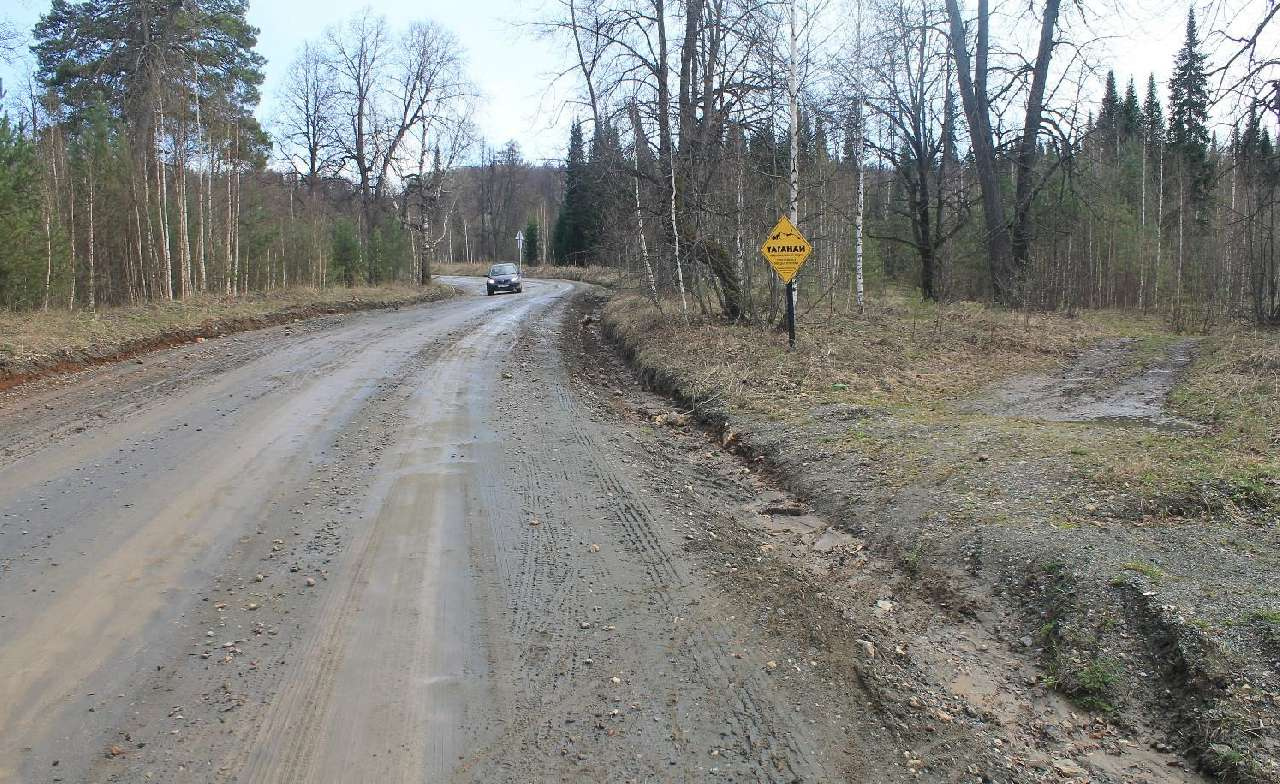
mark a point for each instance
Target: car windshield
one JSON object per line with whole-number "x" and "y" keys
{"x": 502, "y": 269}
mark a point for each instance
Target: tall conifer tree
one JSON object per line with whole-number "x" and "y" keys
{"x": 1188, "y": 114}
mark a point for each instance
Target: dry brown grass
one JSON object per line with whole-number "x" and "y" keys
{"x": 1235, "y": 387}
{"x": 916, "y": 359}
{"x": 898, "y": 352}
{"x": 26, "y": 335}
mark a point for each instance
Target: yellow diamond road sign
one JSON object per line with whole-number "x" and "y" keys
{"x": 786, "y": 249}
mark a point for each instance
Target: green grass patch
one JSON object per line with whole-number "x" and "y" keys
{"x": 1148, "y": 570}
{"x": 1089, "y": 684}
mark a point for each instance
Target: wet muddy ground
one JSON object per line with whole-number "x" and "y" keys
{"x": 401, "y": 546}
{"x": 1100, "y": 385}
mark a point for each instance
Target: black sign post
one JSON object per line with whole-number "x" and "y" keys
{"x": 791, "y": 314}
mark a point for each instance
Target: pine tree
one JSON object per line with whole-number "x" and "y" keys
{"x": 1130, "y": 114}
{"x": 20, "y": 252}
{"x": 568, "y": 239}
{"x": 1188, "y": 113}
{"x": 120, "y": 52}
{"x": 532, "y": 241}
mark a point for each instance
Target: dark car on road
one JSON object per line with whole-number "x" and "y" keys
{"x": 503, "y": 277}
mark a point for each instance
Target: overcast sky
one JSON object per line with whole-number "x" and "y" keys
{"x": 513, "y": 67}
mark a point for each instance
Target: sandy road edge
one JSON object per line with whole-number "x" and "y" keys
{"x": 70, "y": 360}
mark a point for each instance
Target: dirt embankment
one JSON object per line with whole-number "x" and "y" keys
{"x": 37, "y": 345}
{"x": 1103, "y": 509}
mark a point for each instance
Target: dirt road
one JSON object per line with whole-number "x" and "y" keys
{"x": 392, "y": 546}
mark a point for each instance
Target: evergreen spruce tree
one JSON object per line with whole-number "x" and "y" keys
{"x": 806, "y": 141}
{"x": 848, "y": 145}
{"x": 568, "y": 239}
{"x": 605, "y": 190}
{"x": 346, "y": 251}
{"x": 1152, "y": 118}
{"x": 1109, "y": 113}
{"x": 532, "y": 243}
{"x": 1188, "y": 113}
{"x": 1130, "y": 114}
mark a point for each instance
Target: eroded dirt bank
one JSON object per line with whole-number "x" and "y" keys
{"x": 1147, "y": 613}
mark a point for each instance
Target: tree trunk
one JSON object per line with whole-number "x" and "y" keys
{"x": 1023, "y": 229}
{"x": 973, "y": 98}
{"x": 92, "y": 288}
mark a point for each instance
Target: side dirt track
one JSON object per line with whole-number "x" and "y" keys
{"x": 35, "y": 345}
{"x": 1091, "y": 520}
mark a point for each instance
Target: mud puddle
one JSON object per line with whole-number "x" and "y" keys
{"x": 1099, "y": 386}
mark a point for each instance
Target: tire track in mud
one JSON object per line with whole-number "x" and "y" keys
{"x": 350, "y": 408}
{"x": 704, "y": 642}
{"x": 448, "y": 637}
{"x": 591, "y": 487}
{"x": 352, "y": 446}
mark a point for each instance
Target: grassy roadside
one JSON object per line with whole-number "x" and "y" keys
{"x": 1142, "y": 562}
{"x": 37, "y": 343}
{"x": 610, "y": 277}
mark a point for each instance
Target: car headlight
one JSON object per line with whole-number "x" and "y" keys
{"x": 489, "y": 281}
{"x": 515, "y": 278}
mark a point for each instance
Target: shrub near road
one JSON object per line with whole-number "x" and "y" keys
{"x": 1102, "y": 494}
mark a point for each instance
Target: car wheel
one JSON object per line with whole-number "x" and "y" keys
{"x": 520, "y": 290}
{"x": 490, "y": 292}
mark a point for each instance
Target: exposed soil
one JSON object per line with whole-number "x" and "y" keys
{"x": 1100, "y": 385}
{"x": 461, "y": 542}
{"x": 1083, "y": 625}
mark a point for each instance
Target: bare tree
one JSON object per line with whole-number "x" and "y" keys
{"x": 1008, "y": 241}
{"x": 910, "y": 94}
{"x": 388, "y": 89}
{"x": 308, "y": 137}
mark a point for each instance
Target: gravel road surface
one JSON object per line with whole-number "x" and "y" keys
{"x": 390, "y": 546}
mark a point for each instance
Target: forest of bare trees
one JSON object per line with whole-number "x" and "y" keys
{"x": 980, "y": 168}
{"x": 964, "y": 151}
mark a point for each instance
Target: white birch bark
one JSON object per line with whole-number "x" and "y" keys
{"x": 644, "y": 246}
{"x": 675, "y": 236}
{"x": 793, "y": 93}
